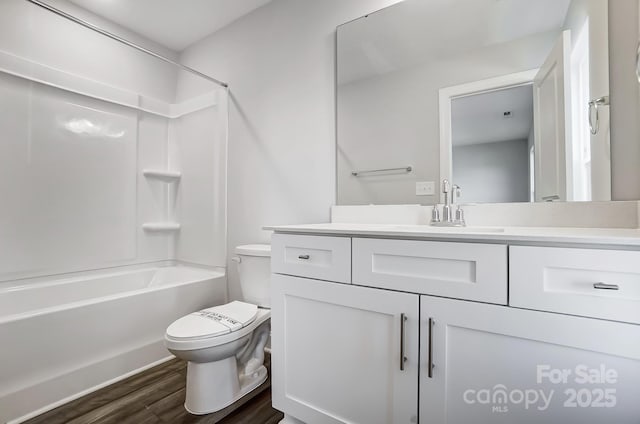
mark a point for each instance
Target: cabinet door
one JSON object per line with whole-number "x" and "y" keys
{"x": 336, "y": 352}
{"x": 494, "y": 364}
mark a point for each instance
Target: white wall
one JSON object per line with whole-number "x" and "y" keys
{"x": 279, "y": 62}
{"x": 492, "y": 172}
{"x": 34, "y": 33}
{"x": 126, "y": 33}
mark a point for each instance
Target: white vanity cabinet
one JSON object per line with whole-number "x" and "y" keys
{"x": 494, "y": 364}
{"x": 474, "y": 271}
{"x": 492, "y": 333}
{"x": 588, "y": 282}
{"x": 337, "y": 352}
{"x": 317, "y": 257}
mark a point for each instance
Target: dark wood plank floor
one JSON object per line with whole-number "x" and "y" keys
{"x": 156, "y": 396}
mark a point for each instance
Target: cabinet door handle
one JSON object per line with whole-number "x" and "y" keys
{"x": 305, "y": 257}
{"x": 430, "y": 365}
{"x": 403, "y": 358}
{"x": 604, "y": 286}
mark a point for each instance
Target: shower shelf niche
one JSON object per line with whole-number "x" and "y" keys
{"x": 162, "y": 175}
{"x": 161, "y": 226}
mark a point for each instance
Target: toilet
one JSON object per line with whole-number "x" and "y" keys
{"x": 224, "y": 345}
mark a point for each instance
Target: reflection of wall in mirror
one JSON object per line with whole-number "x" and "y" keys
{"x": 625, "y": 99}
{"x": 492, "y": 172}
{"x": 392, "y": 120}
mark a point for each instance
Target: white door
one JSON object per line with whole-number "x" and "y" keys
{"x": 336, "y": 352}
{"x": 552, "y": 126}
{"x": 498, "y": 365}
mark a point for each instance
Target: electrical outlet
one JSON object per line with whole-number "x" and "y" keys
{"x": 425, "y": 188}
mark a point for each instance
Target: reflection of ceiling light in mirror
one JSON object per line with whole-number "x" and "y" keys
{"x": 86, "y": 127}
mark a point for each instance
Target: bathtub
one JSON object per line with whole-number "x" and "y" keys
{"x": 61, "y": 338}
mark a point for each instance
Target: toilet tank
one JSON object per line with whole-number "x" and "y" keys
{"x": 254, "y": 269}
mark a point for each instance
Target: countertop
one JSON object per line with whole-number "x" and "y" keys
{"x": 623, "y": 237}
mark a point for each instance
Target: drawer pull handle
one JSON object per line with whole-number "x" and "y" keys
{"x": 604, "y": 286}
{"x": 305, "y": 257}
{"x": 430, "y": 365}
{"x": 403, "y": 358}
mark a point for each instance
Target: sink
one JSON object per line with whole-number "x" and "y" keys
{"x": 467, "y": 229}
{"x": 432, "y": 229}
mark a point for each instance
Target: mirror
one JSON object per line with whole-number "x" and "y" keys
{"x": 509, "y": 99}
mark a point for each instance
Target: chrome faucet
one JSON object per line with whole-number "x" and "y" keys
{"x": 446, "y": 208}
{"x": 450, "y": 196}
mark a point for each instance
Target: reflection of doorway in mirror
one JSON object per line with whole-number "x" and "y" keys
{"x": 491, "y": 139}
{"x": 487, "y": 137}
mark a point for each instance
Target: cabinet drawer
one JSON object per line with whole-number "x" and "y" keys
{"x": 318, "y": 257}
{"x": 593, "y": 283}
{"x": 458, "y": 270}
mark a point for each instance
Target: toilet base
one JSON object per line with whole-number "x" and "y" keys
{"x": 213, "y": 386}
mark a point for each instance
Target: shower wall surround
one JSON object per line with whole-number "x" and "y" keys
{"x": 59, "y": 150}
{"x": 90, "y": 127}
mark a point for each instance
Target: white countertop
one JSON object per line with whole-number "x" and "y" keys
{"x": 557, "y": 235}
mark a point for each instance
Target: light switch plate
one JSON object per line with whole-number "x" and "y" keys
{"x": 425, "y": 188}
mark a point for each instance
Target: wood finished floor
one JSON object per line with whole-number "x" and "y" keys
{"x": 156, "y": 396}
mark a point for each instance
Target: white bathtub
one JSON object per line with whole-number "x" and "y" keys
{"x": 62, "y": 338}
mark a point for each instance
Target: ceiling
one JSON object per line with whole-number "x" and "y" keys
{"x": 421, "y": 32}
{"x": 172, "y": 23}
{"x": 480, "y": 119}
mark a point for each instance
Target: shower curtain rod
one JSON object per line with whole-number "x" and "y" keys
{"x": 124, "y": 41}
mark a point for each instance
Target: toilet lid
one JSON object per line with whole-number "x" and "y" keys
{"x": 214, "y": 321}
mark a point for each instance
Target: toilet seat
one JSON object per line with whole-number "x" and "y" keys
{"x": 214, "y": 326}
{"x": 212, "y": 322}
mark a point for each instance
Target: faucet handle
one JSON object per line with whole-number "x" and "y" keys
{"x": 455, "y": 193}
{"x": 446, "y": 186}
{"x": 435, "y": 214}
{"x": 460, "y": 216}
